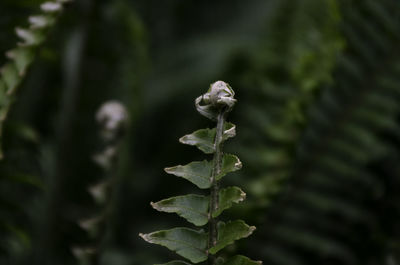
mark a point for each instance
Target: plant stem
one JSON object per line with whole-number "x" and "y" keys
{"x": 217, "y": 164}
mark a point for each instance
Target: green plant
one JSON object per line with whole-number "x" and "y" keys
{"x": 112, "y": 117}
{"x": 293, "y": 64}
{"x": 13, "y": 72}
{"x": 330, "y": 209}
{"x": 198, "y": 245}
{"x": 19, "y": 184}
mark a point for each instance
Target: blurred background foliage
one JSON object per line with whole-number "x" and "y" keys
{"x": 318, "y": 84}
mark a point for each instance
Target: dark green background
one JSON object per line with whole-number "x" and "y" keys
{"x": 318, "y": 89}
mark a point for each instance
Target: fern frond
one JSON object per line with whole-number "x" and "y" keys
{"x": 326, "y": 212}
{"x": 199, "y": 245}
{"x": 112, "y": 117}
{"x": 20, "y": 58}
{"x": 286, "y": 74}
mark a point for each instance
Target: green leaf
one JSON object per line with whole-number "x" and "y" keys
{"x": 41, "y": 21}
{"x": 175, "y": 262}
{"x": 230, "y": 163}
{"x": 188, "y": 243}
{"x": 227, "y": 197}
{"x": 230, "y": 232}
{"x": 10, "y": 76}
{"x": 50, "y": 7}
{"x": 99, "y": 191}
{"x": 199, "y": 173}
{"x": 91, "y": 225}
{"x": 241, "y": 260}
{"x": 204, "y": 138}
{"x": 29, "y": 36}
{"x": 229, "y": 131}
{"x": 19, "y": 233}
{"x": 23, "y": 57}
{"x": 193, "y": 208}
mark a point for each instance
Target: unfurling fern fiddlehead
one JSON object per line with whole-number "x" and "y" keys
{"x": 198, "y": 245}
{"x": 112, "y": 117}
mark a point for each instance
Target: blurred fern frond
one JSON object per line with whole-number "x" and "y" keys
{"x": 18, "y": 172}
{"x": 13, "y": 72}
{"x": 286, "y": 75}
{"x": 329, "y": 213}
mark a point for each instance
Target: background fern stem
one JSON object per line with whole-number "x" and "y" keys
{"x": 217, "y": 164}
{"x": 112, "y": 117}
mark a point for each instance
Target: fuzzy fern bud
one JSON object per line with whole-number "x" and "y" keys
{"x": 112, "y": 116}
{"x": 219, "y": 97}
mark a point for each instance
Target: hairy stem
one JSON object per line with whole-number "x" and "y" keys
{"x": 217, "y": 164}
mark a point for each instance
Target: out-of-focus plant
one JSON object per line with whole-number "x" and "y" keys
{"x": 287, "y": 72}
{"x": 17, "y": 184}
{"x": 112, "y": 117}
{"x": 337, "y": 160}
{"x": 198, "y": 245}
{"x": 21, "y": 57}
